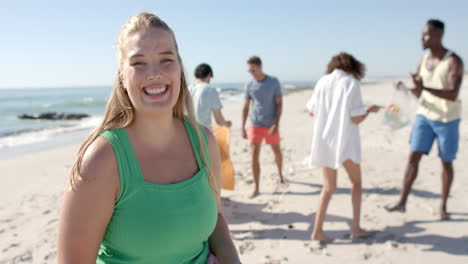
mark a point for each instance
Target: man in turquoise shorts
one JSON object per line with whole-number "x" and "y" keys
{"x": 437, "y": 84}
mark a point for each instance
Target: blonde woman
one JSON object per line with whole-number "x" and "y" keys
{"x": 338, "y": 109}
{"x": 145, "y": 186}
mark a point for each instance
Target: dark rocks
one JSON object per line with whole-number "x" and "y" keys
{"x": 54, "y": 116}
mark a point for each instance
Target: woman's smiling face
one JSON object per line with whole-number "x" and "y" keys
{"x": 151, "y": 70}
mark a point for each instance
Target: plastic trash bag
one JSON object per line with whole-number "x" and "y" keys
{"x": 222, "y": 135}
{"x": 400, "y": 110}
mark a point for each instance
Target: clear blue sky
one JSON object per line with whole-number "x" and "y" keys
{"x": 59, "y": 43}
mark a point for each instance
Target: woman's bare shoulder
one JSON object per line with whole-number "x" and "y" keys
{"x": 99, "y": 162}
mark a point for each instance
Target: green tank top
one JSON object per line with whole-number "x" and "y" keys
{"x": 158, "y": 223}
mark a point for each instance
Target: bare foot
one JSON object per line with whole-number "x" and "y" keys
{"x": 360, "y": 233}
{"x": 254, "y": 194}
{"x": 444, "y": 215}
{"x": 320, "y": 236}
{"x": 396, "y": 208}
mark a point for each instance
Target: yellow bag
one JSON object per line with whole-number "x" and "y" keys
{"x": 222, "y": 135}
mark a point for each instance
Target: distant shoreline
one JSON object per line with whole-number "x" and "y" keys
{"x": 78, "y": 135}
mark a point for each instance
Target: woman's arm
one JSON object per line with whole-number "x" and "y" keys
{"x": 358, "y": 119}
{"x": 88, "y": 207}
{"x": 221, "y": 243}
{"x": 312, "y": 102}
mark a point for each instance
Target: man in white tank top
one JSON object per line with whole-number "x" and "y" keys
{"x": 437, "y": 84}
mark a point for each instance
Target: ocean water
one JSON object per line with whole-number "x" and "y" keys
{"x": 21, "y": 135}
{"x": 14, "y": 102}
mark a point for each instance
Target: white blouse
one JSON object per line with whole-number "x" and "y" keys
{"x": 336, "y": 98}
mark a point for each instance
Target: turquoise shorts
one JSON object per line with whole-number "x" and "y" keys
{"x": 425, "y": 131}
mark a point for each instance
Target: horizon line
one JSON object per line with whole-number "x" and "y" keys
{"x": 69, "y": 86}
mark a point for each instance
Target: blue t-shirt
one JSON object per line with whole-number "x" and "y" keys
{"x": 205, "y": 100}
{"x": 263, "y": 105}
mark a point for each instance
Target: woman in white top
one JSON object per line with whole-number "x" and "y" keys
{"x": 338, "y": 109}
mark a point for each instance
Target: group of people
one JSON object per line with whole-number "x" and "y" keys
{"x": 338, "y": 109}
{"x": 263, "y": 100}
{"x": 146, "y": 184}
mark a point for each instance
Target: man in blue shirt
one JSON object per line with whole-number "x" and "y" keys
{"x": 264, "y": 94}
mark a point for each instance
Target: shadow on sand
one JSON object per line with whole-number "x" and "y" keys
{"x": 286, "y": 228}
{"x": 381, "y": 191}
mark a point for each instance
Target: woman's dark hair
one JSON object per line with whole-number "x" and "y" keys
{"x": 203, "y": 70}
{"x": 347, "y": 63}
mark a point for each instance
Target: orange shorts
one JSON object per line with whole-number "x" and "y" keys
{"x": 257, "y": 134}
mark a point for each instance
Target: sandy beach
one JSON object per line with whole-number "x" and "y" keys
{"x": 275, "y": 227}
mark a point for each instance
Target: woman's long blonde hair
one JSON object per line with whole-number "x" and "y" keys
{"x": 119, "y": 111}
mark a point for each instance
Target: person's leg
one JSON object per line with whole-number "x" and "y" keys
{"x": 421, "y": 140}
{"x": 447, "y": 179}
{"x": 256, "y": 136}
{"x": 447, "y": 139}
{"x": 256, "y": 167}
{"x": 274, "y": 141}
{"x": 279, "y": 160}
{"x": 410, "y": 175}
{"x": 329, "y": 187}
{"x": 354, "y": 173}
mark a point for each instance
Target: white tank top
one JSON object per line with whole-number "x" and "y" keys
{"x": 433, "y": 107}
